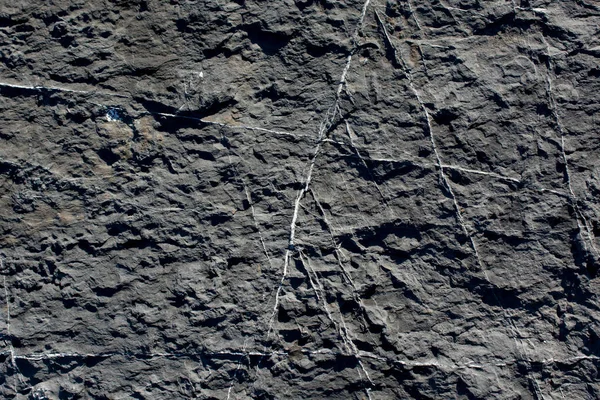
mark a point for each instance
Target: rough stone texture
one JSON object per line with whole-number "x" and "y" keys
{"x": 299, "y": 199}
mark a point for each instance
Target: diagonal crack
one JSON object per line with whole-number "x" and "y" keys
{"x": 325, "y": 126}
{"x": 445, "y": 183}
{"x": 583, "y": 225}
{"x": 350, "y": 133}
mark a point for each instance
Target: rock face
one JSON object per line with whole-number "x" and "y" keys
{"x": 299, "y": 199}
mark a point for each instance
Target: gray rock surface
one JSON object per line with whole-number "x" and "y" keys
{"x": 301, "y": 199}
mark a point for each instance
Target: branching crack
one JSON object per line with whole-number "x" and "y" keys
{"x": 325, "y": 126}
{"x": 399, "y": 60}
{"x": 445, "y": 183}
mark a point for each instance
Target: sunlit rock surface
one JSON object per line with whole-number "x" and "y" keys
{"x": 299, "y": 199}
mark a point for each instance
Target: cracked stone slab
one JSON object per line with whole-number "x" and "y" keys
{"x": 365, "y": 199}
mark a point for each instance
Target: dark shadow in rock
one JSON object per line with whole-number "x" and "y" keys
{"x": 445, "y": 116}
{"x": 594, "y": 72}
{"x": 171, "y": 120}
{"x": 503, "y": 24}
{"x": 339, "y": 363}
{"x": 317, "y": 50}
{"x": 269, "y": 42}
{"x": 495, "y": 296}
{"x": 290, "y": 335}
{"x": 510, "y": 240}
{"x": 462, "y": 390}
{"x": 106, "y": 154}
{"x": 573, "y": 286}
{"x": 28, "y": 370}
{"x": 582, "y": 255}
{"x": 213, "y": 322}
{"x": 458, "y": 177}
{"x": 105, "y": 292}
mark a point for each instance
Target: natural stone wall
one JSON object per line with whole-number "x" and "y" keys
{"x": 299, "y": 199}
